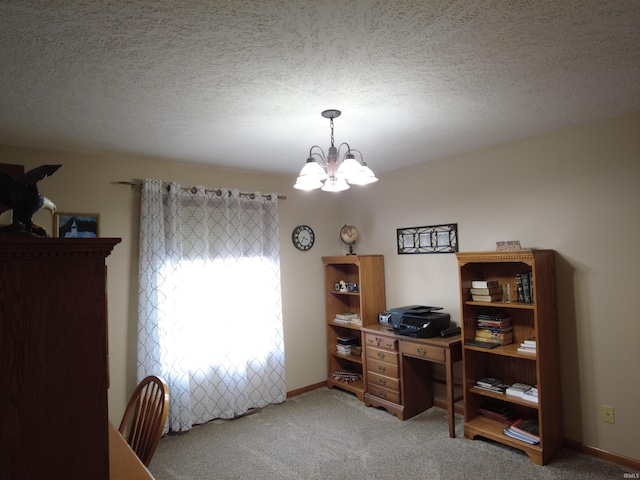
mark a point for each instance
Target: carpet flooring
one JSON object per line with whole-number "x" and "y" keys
{"x": 329, "y": 434}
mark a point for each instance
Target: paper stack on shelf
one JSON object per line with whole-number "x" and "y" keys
{"x": 348, "y": 317}
{"x": 528, "y": 346}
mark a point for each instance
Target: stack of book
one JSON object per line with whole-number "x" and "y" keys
{"x": 348, "y": 317}
{"x": 491, "y": 384}
{"x": 485, "y": 291}
{"x": 494, "y": 328}
{"x": 528, "y": 346}
{"x": 524, "y": 287}
{"x": 525, "y": 429}
{"x": 345, "y": 343}
{"x": 497, "y": 411}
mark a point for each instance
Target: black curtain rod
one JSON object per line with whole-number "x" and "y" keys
{"x": 138, "y": 183}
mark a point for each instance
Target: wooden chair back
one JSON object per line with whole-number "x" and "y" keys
{"x": 145, "y": 416}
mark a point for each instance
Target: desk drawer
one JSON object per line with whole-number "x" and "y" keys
{"x": 383, "y": 393}
{"x": 420, "y": 350}
{"x": 382, "y": 368}
{"x": 383, "y": 381}
{"x": 382, "y": 355}
{"x": 381, "y": 342}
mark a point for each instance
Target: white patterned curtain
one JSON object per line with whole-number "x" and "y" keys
{"x": 210, "y": 313}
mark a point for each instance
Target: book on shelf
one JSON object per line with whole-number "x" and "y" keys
{"x": 341, "y": 320}
{"x": 493, "y": 318}
{"x": 343, "y": 349}
{"x": 488, "y": 381}
{"x": 501, "y": 324}
{"x": 497, "y": 411}
{"x": 484, "y": 283}
{"x": 527, "y": 349}
{"x": 497, "y": 297}
{"x": 494, "y": 335}
{"x": 486, "y": 291}
{"x": 347, "y": 340}
{"x": 518, "y": 436}
{"x": 347, "y": 315}
{"x": 493, "y": 314}
{"x": 495, "y": 328}
{"x": 526, "y": 426}
{"x": 531, "y": 395}
{"x": 481, "y": 344}
{"x": 529, "y": 342}
{"x": 526, "y": 287}
{"x": 506, "y": 341}
{"x": 497, "y": 388}
{"x": 517, "y": 389}
{"x": 506, "y": 323}
{"x": 519, "y": 288}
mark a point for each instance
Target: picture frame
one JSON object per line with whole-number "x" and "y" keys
{"x": 428, "y": 239}
{"x": 76, "y": 225}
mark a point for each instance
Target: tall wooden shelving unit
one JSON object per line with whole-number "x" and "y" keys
{"x": 537, "y": 319}
{"x": 54, "y": 364}
{"x": 368, "y": 272}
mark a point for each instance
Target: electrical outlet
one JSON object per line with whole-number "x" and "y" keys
{"x": 607, "y": 414}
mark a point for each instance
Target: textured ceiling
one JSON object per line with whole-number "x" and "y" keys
{"x": 241, "y": 84}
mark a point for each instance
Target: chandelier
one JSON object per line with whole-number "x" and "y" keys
{"x": 334, "y": 173}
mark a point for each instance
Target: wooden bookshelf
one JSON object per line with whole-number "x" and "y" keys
{"x": 536, "y": 319}
{"x": 367, "y": 271}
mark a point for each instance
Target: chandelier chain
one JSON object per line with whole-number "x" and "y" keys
{"x": 331, "y": 123}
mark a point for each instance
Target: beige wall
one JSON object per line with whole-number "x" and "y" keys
{"x": 576, "y": 191}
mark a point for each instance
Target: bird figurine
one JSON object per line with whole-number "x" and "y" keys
{"x": 21, "y": 195}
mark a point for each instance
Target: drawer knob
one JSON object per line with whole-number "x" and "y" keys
{"x": 382, "y": 368}
{"x": 381, "y": 354}
{"x": 383, "y": 394}
{"x": 421, "y": 351}
{"x": 383, "y": 381}
{"x": 389, "y": 345}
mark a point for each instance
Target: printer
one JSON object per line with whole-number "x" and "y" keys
{"x": 419, "y": 321}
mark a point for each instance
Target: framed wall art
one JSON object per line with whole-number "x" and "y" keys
{"x": 76, "y": 225}
{"x": 429, "y": 239}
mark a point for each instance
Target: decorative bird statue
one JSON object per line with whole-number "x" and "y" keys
{"x": 21, "y": 195}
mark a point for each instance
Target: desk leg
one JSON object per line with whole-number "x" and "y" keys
{"x": 450, "y": 397}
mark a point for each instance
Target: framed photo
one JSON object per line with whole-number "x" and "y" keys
{"x": 76, "y": 225}
{"x": 429, "y": 239}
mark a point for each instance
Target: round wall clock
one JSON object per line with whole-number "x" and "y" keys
{"x": 303, "y": 237}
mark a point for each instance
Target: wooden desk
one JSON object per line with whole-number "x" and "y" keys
{"x": 123, "y": 463}
{"x": 398, "y": 371}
